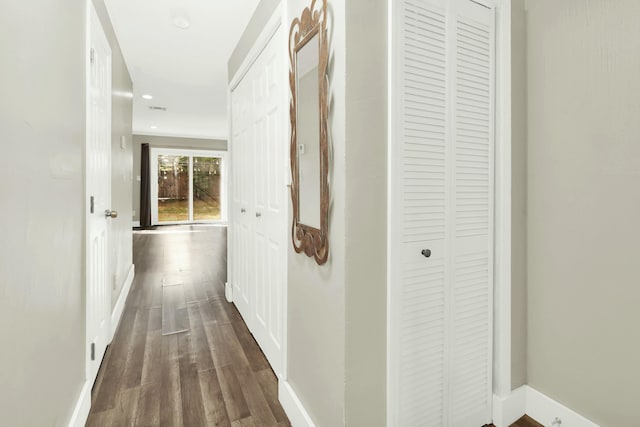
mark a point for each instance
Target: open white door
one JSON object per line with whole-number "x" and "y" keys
{"x": 98, "y": 178}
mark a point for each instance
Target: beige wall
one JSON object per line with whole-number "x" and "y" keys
{"x": 256, "y": 24}
{"x": 42, "y": 133}
{"x": 366, "y": 213}
{"x": 583, "y": 68}
{"x": 164, "y": 142}
{"x": 316, "y": 308}
{"x": 121, "y": 245}
{"x": 518, "y": 194}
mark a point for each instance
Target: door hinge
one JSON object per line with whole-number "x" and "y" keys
{"x": 92, "y": 52}
{"x": 93, "y": 351}
{"x": 92, "y": 204}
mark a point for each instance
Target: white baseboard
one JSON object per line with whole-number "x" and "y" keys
{"x": 228, "y": 291}
{"x": 116, "y": 314}
{"x": 292, "y": 406}
{"x": 507, "y": 410}
{"x": 83, "y": 405}
{"x": 136, "y": 224}
{"x": 543, "y": 409}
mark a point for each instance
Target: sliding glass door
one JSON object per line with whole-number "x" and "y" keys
{"x": 187, "y": 186}
{"x": 173, "y": 188}
{"x": 206, "y": 188}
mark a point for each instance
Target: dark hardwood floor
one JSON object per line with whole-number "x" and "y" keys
{"x": 182, "y": 356}
{"x": 525, "y": 421}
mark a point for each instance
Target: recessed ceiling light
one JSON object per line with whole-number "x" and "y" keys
{"x": 181, "y": 22}
{"x": 154, "y": 127}
{"x": 147, "y": 96}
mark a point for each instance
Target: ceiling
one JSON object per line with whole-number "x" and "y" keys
{"x": 185, "y": 70}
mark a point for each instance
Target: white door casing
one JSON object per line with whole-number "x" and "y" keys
{"x": 258, "y": 222}
{"x": 441, "y": 199}
{"x": 98, "y": 196}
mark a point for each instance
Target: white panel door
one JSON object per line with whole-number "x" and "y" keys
{"x": 98, "y": 169}
{"x": 441, "y": 215}
{"x": 242, "y": 223}
{"x": 270, "y": 197}
{"x": 258, "y": 223}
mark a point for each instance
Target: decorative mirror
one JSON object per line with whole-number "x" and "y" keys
{"x": 309, "y": 57}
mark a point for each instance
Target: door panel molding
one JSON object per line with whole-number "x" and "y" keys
{"x": 97, "y": 195}
{"x": 258, "y": 212}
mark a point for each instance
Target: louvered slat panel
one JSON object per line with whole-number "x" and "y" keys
{"x": 442, "y": 174}
{"x": 422, "y": 296}
{"x": 473, "y": 126}
{"x": 424, "y": 123}
{"x": 471, "y": 291}
{"x": 421, "y": 375}
{"x": 471, "y": 335}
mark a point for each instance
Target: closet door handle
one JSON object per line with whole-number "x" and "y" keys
{"x": 426, "y": 253}
{"x": 258, "y": 214}
{"x": 243, "y": 210}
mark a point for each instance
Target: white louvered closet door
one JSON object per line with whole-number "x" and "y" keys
{"x": 440, "y": 317}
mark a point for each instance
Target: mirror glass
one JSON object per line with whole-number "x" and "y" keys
{"x": 308, "y": 132}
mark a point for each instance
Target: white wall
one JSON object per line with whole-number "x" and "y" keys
{"x": 42, "y": 133}
{"x": 583, "y": 67}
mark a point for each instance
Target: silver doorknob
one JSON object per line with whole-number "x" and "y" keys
{"x": 243, "y": 210}
{"x": 111, "y": 214}
{"x": 258, "y": 214}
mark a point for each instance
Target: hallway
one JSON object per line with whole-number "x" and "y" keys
{"x": 182, "y": 355}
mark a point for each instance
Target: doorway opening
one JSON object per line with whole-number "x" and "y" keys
{"x": 188, "y": 186}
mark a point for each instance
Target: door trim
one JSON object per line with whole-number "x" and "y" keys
{"x": 502, "y": 209}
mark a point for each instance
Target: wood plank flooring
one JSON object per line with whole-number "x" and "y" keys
{"x": 182, "y": 355}
{"x": 525, "y": 421}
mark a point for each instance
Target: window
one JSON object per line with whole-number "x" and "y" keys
{"x": 187, "y": 186}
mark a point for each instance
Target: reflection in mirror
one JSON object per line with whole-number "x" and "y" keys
{"x": 309, "y": 148}
{"x": 308, "y": 122}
